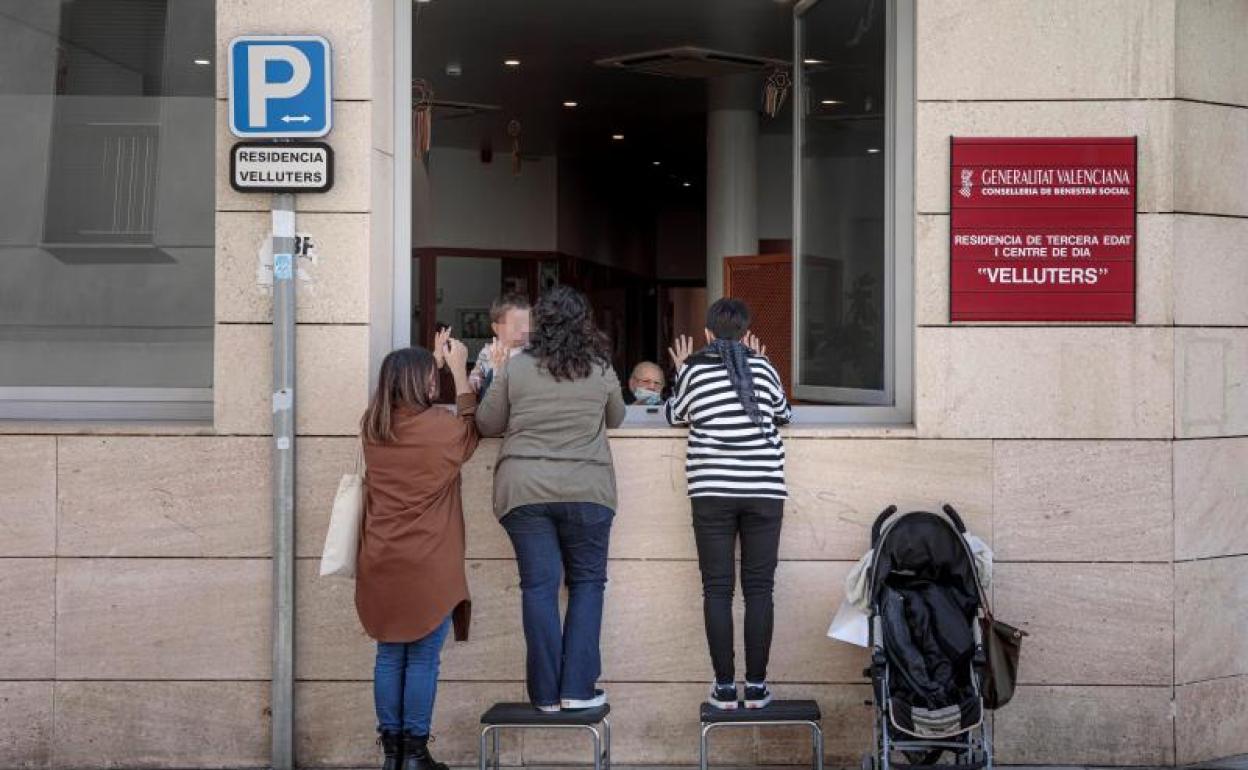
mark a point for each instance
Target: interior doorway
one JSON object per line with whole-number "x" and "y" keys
{"x": 635, "y": 150}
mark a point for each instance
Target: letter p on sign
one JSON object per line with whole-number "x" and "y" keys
{"x": 280, "y": 86}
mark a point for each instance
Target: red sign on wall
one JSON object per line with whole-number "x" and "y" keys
{"x": 1042, "y": 230}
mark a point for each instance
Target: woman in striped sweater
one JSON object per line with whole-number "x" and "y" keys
{"x": 731, "y": 398}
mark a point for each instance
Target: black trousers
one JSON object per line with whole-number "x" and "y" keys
{"x": 717, "y": 523}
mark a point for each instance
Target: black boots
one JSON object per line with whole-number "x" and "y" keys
{"x": 392, "y": 749}
{"x": 416, "y": 754}
{"x": 407, "y": 752}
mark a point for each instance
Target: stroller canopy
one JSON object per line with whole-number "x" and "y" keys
{"x": 922, "y": 546}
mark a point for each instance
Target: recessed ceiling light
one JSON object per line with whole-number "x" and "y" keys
{"x": 872, "y": 150}
{"x": 831, "y": 102}
{"x": 203, "y": 62}
{"x": 569, "y": 104}
{"x": 656, "y": 163}
{"x": 686, "y": 184}
{"x": 812, "y": 61}
{"x": 511, "y": 62}
{"x": 618, "y": 137}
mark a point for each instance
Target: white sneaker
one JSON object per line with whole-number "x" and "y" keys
{"x": 600, "y": 697}
{"x": 723, "y": 696}
{"x": 548, "y": 709}
{"x": 757, "y": 696}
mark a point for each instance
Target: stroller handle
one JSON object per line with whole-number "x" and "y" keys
{"x": 879, "y": 523}
{"x": 953, "y": 515}
{"x": 957, "y": 520}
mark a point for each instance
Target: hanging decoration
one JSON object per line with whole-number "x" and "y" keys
{"x": 776, "y": 91}
{"x": 422, "y": 118}
{"x": 513, "y": 130}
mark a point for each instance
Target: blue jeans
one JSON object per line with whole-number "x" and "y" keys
{"x": 405, "y": 682}
{"x": 555, "y": 541}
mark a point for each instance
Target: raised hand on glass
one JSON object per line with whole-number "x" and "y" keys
{"x": 753, "y": 343}
{"x": 439, "y": 347}
{"x": 500, "y": 354}
{"x": 457, "y": 361}
{"x": 681, "y": 349}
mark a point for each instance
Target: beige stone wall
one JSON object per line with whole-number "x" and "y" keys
{"x": 142, "y": 600}
{"x": 1104, "y": 464}
{"x": 1171, "y": 73}
{"x": 1211, "y": 379}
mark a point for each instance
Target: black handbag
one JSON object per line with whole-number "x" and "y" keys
{"x": 1002, "y": 645}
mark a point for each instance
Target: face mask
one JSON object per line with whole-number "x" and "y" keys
{"x": 647, "y": 397}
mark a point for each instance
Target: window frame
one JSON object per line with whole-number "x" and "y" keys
{"x": 401, "y": 185}
{"x": 900, "y": 211}
{"x": 120, "y": 404}
{"x": 894, "y": 404}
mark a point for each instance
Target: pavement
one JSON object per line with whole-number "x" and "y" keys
{"x": 1230, "y": 763}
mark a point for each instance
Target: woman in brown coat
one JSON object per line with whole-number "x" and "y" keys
{"x": 410, "y": 583}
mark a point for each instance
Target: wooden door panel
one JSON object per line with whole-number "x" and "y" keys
{"x": 765, "y": 283}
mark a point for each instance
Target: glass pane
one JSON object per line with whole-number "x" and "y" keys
{"x": 467, "y": 286}
{"x": 106, "y": 193}
{"x": 843, "y": 281}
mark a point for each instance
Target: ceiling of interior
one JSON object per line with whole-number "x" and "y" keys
{"x": 558, "y": 41}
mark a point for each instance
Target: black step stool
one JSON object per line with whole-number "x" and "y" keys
{"x": 523, "y": 716}
{"x": 777, "y": 713}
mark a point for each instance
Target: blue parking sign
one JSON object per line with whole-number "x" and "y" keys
{"x": 280, "y": 86}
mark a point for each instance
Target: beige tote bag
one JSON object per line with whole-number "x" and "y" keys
{"x": 342, "y": 541}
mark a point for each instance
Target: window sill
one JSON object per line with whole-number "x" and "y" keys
{"x": 812, "y": 430}
{"x": 105, "y": 428}
{"x": 139, "y": 428}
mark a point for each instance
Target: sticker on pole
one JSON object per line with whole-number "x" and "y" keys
{"x": 282, "y": 266}
{"x": 280, "y": 86}
{"x": 294, "y": 167}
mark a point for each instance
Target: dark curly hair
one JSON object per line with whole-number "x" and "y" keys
{"x": 563, "y": 337}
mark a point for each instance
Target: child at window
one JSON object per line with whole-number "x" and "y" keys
{"x": 509, "y": 319}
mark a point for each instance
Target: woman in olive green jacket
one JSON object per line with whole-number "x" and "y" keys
{"x": 554, "y": 490}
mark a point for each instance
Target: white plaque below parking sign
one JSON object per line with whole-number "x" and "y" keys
{"x": 294, "y": 167}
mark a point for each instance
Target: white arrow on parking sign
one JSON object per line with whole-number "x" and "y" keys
{"x": 279, "y": 86}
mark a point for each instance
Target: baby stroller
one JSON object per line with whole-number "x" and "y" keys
{"x": 927, "y": 653}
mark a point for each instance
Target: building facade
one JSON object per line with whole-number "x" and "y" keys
{"x": 1105, "y": 463}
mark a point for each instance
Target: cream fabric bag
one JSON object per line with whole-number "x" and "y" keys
{"x": 342, "y": 541}
{"x": 852, "y": 620}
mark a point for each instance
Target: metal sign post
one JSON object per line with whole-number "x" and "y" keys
{"x": 283, "y": 480}
{"x": 289, "y": 100}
